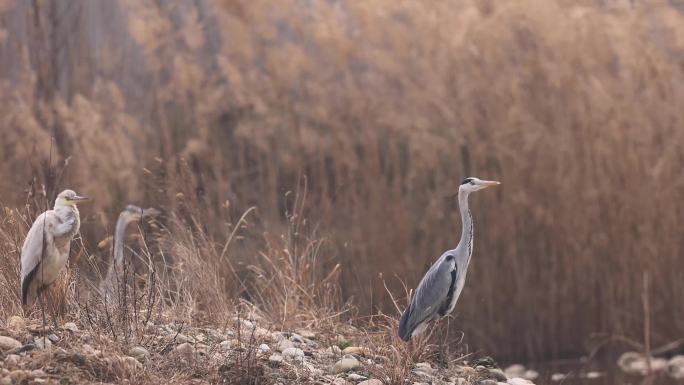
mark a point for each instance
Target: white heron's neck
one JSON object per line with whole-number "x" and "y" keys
{"x": 65, "y": 208}
{"x": 467, "y": 231}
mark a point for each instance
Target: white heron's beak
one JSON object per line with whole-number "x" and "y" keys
{"x": 78, "y": 198}
{"x": 488, "y": 183}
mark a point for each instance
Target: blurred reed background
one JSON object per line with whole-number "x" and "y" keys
{"x": 381, "y": 108}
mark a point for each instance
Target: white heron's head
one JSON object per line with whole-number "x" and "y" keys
{"x": 471, "y": 184}
{"x": 69, "y": 198}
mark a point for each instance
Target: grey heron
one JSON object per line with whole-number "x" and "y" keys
{"x": 438, "y": 291}
{"x": 130, "y": 214}
{"x": 46, "y": 248}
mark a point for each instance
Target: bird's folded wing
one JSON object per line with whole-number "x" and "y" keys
{"x": 432, "y": 292}
{"x": 33, "y": 244}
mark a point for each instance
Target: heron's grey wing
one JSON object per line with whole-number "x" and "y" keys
{"x": 32, "y": 250}
{"x": 432, "y": 297}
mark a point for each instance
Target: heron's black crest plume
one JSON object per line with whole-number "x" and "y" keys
{"x": 467, "y": 180}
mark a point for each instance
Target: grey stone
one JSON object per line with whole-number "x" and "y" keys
{"x": 275, "y": 359}
{"x": 8, "y": 343}
{"x": 285, "y": 344}
{"x": 293, "y": 352}
{"x": 346, "y": 364}
{"x": 140, "y": 353}
{"x": 675, "y": 367}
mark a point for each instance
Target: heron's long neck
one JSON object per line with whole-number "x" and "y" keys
{"x": 119, "y": 236}
{"x": 466, "y": 242}
{"x": 116, "y": 267}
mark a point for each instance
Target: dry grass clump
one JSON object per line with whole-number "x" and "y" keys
{"x": 209, "y": 108}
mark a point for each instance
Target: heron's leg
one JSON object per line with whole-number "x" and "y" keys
{"x": 446, "y": 341}
{"x": 39, "y": 293}
{"x": 443, "y": 355}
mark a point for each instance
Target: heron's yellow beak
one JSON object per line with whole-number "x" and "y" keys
{"x": 78, "y": 198}
{"x": 489, "y": 183}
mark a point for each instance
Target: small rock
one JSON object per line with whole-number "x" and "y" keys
{"x": 346, "y": 364}
{"x": 355, "y": 377}
{"x": 518, "y": 381}
{"x": 372, "y": 381}
{"x": 8, "y": 343}
{"x": 6, "y": 381}
{"x": 264, "y": 348}
{"x": 529, "y": 375}
{"x": 185, "y": 349}
{"x": 593, "y": 375}
{"x": 355, "y": 350}
{"x": 140, "y": 353}
{"x": 16, "y": 323}
{"x": 675, "y": 367}
{"x": 38, "y": 373}
{"x": 497, "y": 374}
{"x": 285, "y": 344}
{"x": 42, "y": 343}
{"x": 556, "y": 377}
{"x": 275, "y": 359}
{"x": 515, "y": 370}
{"x": 658, "y": 364}
{"x": 53, "y": 337}
{"x": 293, "y": 352}
{"x": 12, "y": 360}
{"x": 70, "y": 326}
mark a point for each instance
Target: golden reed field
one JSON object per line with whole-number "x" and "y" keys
{"x": 305, "y": 155}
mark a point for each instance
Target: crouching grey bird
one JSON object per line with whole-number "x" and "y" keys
{"x": 46, "y": 248}
{"x": 438, "y": 291}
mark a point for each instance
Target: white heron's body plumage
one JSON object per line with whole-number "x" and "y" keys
{"x": 45, "y": 251}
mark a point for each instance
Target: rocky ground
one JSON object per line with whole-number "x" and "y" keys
{"x": 246, "y": 352}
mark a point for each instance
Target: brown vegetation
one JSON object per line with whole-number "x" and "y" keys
{"x": 209, "y": 108}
